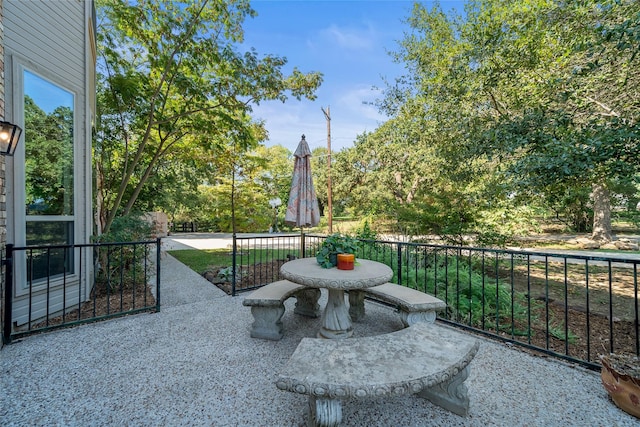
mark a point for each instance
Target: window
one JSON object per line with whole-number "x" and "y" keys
{"x": 48, "y": 174}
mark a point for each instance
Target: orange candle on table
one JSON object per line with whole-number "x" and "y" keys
{"x": 346, "y": 261}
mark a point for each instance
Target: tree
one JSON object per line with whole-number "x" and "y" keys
{"x": 535, "y": 91}
{"x": 578, "y": 126}
{"x": 48, "y": 160}
{"x": 254, "y": 178}
{"x": 173, "y": 85}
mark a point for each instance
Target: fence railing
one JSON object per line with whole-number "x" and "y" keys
{"x": 257, "y": 260}
{"x": 567, "y": 305}
{"x": 193, "y": 227}
{"x": 52, "y": 286}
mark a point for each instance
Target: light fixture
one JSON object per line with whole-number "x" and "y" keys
{"x": 9, "y": 137}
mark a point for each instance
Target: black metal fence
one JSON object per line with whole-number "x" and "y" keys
{"x": 567, "y": 305}
{"x": 194, "y": 227}
{"x": 48, "y": 287}
{"x": 257, "y": 260}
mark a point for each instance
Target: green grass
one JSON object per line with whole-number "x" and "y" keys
{"x": 617, "y": 251}
{"x": 200, "y": 260}
{"x": 557, "y": 331}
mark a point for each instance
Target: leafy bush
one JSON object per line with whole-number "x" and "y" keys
{"x": 122, "y": 266}
{"x": 227, "y": 274}
{"x": 130, "y": 228}
{"x": 327, "y": 255}
{"x": 472, "y": 296}
{"x": 365, "y": 232}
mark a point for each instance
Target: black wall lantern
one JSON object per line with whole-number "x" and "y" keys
{"x": 9, "y": 136}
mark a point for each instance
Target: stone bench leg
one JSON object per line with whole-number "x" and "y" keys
{"x": 356, "y": 305}
{"x": 451, "y": 395}
{"x": 307, "y": 302}
{"x": 324, "y": 412}
{"x": 412, "y": 317}
{"x": 267, "y": 322}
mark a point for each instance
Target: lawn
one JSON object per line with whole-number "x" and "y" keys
{"x": 201, "y": 260}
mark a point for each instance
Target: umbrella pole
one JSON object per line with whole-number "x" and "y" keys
{"x": 301, "y": 243}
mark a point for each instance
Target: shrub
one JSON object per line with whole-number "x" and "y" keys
{"x": 327, "y": 255}
{"x": 122, "y": 266}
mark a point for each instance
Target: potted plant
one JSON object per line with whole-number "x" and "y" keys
{"x": 327, "y": 255}
{"x": 620, "y": 376}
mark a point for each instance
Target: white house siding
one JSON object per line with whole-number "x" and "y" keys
{"x": 3, "y": 205}
{"x": 51, "y": 38}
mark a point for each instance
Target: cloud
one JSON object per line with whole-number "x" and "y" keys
{"x": 351, "y": 115}
{"x": 358, "y": 100}
{"x": 350, "y": 38}
{"x": 287, "y": 122}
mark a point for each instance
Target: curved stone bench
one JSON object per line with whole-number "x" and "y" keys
{"x": 428, "y": 360}
{"x": 414, "y": 306}
{"x": 267, "y": 307}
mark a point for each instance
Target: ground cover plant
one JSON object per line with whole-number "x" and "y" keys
{"x": 557, "y": 306}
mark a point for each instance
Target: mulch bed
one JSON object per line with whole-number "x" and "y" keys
{"x": 250, "y": 277}
{"x": 103, "y": 305}
{"x": 581, "y": 346}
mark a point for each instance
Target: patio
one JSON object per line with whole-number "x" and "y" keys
{"x": 194, "y": 364}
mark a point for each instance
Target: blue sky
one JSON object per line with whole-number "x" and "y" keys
{"x": 45, "y": 94}
{"x": 348, "y": 41}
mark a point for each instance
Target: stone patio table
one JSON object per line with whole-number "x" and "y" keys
{"x": 336, "y": 322}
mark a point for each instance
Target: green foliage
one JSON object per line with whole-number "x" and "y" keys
{"x": 199, "y": 260}
{"x": 364, "y": 232}
{"x": 130, "y": 228}
{"x": 227, "y": 274}
{"x": 332, "y": 246}
{"x": 122, "y": 266}
{"x": 176, "y": 90}
{"x": 535, "y": 98}
{"x": 498, "y": 226}
{"x": 48, "y": 160}
{"x": 491, "y": 239}
{"x": 558, "y": 331}
{"x": 473, "y": 297}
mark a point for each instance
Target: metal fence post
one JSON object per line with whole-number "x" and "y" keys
{"x": 158, "y": 260}
{"x": 233, "y": 266}
{"x": 8, "y": 295}
{"x": 399, "y": 263}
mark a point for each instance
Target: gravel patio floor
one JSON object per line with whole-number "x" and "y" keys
{"x": 194, "y": 364}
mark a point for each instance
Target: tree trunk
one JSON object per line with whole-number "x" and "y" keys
{"x": 601, "y": 213}
{"x": 100, "y": 217}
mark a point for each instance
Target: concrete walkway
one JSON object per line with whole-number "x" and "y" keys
{"x": 194, "y": 364}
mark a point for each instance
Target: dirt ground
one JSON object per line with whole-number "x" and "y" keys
{"x": 104, "y": 305}
{"x": 591, "y": 325}
{"x": 580, "y": 344}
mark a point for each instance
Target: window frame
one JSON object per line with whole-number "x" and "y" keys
{"x": 20, "y": 217}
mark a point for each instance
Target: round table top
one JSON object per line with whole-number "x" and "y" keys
{"x": 307, "y": 272}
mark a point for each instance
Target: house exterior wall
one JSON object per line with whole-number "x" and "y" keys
{"x": 3, "y": 204}
{"x": 53, "y": 39}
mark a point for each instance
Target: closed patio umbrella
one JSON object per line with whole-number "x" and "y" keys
{"x": 302, "y": 209}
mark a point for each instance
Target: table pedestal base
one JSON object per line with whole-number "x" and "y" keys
{"x": 336, "y": 322}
